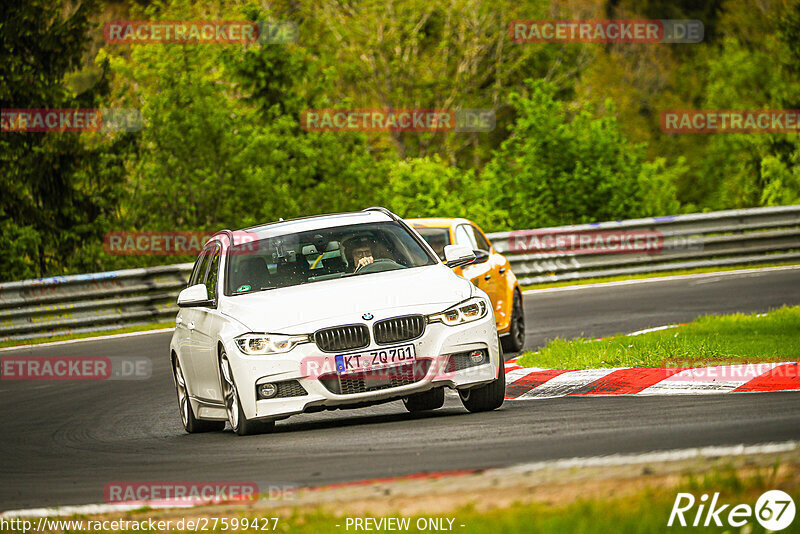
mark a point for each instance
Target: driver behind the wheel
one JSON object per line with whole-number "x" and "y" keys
{"x": 360, "y": 254}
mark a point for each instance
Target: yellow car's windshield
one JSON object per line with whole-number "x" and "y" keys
{"x": 437, "y": 238}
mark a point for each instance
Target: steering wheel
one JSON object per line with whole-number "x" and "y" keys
{"x": 368, "y": 268}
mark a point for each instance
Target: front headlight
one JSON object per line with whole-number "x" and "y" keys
{"x": 465, "y": 312}
{"x": 268, "y": 343}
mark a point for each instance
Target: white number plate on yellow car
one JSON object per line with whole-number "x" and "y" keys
{"x": 375, "y": 359}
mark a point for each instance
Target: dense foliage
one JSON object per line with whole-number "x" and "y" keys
{"x": 577, "y": 136}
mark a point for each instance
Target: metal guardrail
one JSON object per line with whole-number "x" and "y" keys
{"x": 715, "y": 239}
{"x": 102, "y": 301}
{"x": 90, "y": 302}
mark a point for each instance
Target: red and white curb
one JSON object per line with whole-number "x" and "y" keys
{"x": 534, "y": 383}
{"x": 537, "y": 383}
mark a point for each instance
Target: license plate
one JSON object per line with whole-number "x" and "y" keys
{"x": 375, "y": 359}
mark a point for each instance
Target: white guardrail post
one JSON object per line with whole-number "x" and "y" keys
{"x": 102, "y": 301}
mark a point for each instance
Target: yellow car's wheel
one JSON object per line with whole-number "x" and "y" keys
{"x": 515, "y": 340}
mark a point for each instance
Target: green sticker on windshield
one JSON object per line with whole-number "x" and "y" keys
{"x": 243, "y": 288}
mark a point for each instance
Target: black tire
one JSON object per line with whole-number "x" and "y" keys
{"x": 486, "y": 398}
{"x": 429, "y": 400}
{"x": 515, "y": 340}
{"x": 191, "y": 424}
{"x": 233, "y": 405}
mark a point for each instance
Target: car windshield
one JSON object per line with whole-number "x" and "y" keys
{"x": 437, "y": 238}
{"x": 323, "y": 254}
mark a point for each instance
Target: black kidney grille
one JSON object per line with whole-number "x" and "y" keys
{"x": 339, "y": 338}
{"x": 399, "y": 329}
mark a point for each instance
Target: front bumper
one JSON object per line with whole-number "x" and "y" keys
{"x": 438, "y": 344}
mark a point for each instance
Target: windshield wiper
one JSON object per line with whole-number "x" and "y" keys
{"x": 253, "y": 290}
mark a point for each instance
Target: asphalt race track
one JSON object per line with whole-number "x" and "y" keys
{"x": 62, "y": 442}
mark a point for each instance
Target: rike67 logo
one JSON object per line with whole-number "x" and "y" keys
{"x": 774, "y": 511}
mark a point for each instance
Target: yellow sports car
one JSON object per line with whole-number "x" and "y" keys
{"x": 490, "y": 272}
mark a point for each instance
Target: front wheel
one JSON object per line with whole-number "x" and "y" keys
{"x": 239, "y": 422}
{"x": 191, "y": 424}
{"x": 515, "y": 339}
{"x": 488, "y": 397}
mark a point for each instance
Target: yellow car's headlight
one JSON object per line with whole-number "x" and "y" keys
{"x": 464, "y": 312}
{"x": 268, "y": 343}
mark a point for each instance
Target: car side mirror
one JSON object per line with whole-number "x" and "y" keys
{"x": 481, "y": 256}
{"x": 194, "y": 296}
{"x": 458, "y": 255}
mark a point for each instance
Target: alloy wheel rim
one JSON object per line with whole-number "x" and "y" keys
{"x": 183, "y": 399}
{"x": 229, "y": 393}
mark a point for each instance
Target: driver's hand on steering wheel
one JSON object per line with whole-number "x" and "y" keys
{"x": 363, "y": 262}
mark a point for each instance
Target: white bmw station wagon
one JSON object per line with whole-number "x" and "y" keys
{"x": 329, "y": 312}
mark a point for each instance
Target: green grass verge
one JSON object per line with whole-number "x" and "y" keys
{"x": 709, "y": 340}
{"x": 645, "y": 509}
{"x": 83, "y": 335}
{"x": 646, "y": 512}
{"x": 655, "y": 275}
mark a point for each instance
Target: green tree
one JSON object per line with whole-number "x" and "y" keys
{"x": 53, "y": 198}
{"x": 563, "y": 165}
{"x": 782, "y": 181}
{"x": 744, "y": 170}
{"x": 223, "y": 146}
{"x": 433, "y": 54}
{"x": 429, "y": 187}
